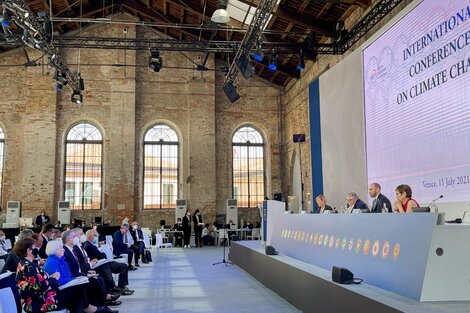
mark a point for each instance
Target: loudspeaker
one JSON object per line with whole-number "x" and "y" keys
{"x": 278, "y": 196}
{"x": 342, "y": 275}
{"x": 298, "y": 137}
{"x": 231, "y": 92}
{"x": 270, "y": 250}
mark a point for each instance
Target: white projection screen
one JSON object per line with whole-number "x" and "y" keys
{"x": 416, "y": 89}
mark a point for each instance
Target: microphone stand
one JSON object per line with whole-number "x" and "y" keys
{"x": 225, "y": 232}
{"x": 433, "y": 203}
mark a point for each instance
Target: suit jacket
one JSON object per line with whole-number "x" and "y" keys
{"x": 196, "y": 222}
{"x": 42, "y": 251}
{"x": 72, "y": 262}
{"x": 381, "y": 200}
{"x": 11, "y": 263}
{"x": 360, "y": 205}
{"x": 82, "y": 259}
{"x": 39, "y": 220}
{"x": 186, "y": 222}
{"x": 327, "y": 208}
{"x": 134, "y": 234}
{"x": 93, "y": 252}
{"x": 119, "y": 247}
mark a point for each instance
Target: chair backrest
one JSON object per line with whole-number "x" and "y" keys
{"x": 146, "y": 231}
{"x": 7, "y": 301}
{"x": 109, "y": 240}
{"x": 147, "y": 241}
{"x": 8, "y": 244}
{"x": 158, "y": 239}
{"x": 222, "y": 233}
{"x": 255, "y": 232}
{"x": 107, "y": 250}
{"x": 2, "y": 264}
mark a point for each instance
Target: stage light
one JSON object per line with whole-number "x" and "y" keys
{"x": 301, "y": 63}
{"x": 244, "y": 67}
{"x": 273, "y": 62}
{"x": 155, "y": 61}
{"x": 258, "y": 55}
{"x": 58, "y": 87}
{"x": 60, "y": 78}
{"x": 231, "y": 92}
{"x": 221, "y": 15}
{"x": 76, "y": 97}
{"x": 16, "y": 8}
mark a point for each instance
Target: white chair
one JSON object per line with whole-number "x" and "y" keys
{"x": 2, "y": 264}
{"x": 160, "y": 244}
{"x": 106, "y": 249}
{"x": 8, "y": 245}
{"x": 221, "y": 235}
{"x": 255, "y": 233}
{"x": 109, "y": 240}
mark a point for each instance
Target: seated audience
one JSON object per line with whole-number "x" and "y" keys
{"x": 207, "y": 235}
{"x": 322, "y": 206}
{"x": 47, "y": 234}
{"x": 404, "y": 202}
{"x": 121, "y": 245}
{"x": 178, "y": 228}
{"x": 12, "y": 260}
{"x": 248, "y": 224}
{"x": 354, "y": 202}
{"x": 39, "y": 291}
{"x": 106, "y": 270}
{"x": 138, "y": 238}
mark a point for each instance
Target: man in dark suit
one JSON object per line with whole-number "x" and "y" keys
{"x": 178, "y": 228}
{"x": 121, "y": 245}
{"x": 42, "y": 219}
{"x": 379, "y": 201}
{"x": 355, "y": 203}
{"x": 106, "y": 270}
{"x": 138, "y": 237}
{"x": 46, "y": 233}
{"x": 322, "y": 206}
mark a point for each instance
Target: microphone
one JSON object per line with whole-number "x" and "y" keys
{"x": 433, "y": 203}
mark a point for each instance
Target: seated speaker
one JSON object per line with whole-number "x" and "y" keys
{"x": 270, "y": 250}
{"x": 342, "y": 275}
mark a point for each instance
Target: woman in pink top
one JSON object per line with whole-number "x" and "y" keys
{"x": 404, "y": 202}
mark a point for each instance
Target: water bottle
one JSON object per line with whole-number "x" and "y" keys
{"x": 384, "y": 208}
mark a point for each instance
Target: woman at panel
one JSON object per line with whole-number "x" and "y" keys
{"x": 404, "y": 202}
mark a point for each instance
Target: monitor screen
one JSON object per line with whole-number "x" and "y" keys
{"x": 162, "y": 222}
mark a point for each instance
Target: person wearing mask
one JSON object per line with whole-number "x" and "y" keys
{"x": 207, "y": 235}
{"x": 138, "y": 238}
{"x": 187, "y": 228}
{"x": 121, "y": 245}
{"x": 47, "y": 234}
{"x": 42, "y": 219}
{"x": 404, "y": 202}
{"x": 322, "y": 206}
{"x": 58, "y": 224}
{"x": 105, "y": 270}
{"x": 198, "y": 226}
{"x": 40, "y": 291}
{"x": 178, "y": 228}
{"x": 354, "y": 202}
{"x": 380, "y": 203}
{"x": 3, "y": 247}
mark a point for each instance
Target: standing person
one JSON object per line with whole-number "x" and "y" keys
{"x": 379, "y": 199}
{"x": 42, "y": 219}
{"x": 198, "y": 226}
{"x": 404, "y": 202}
{"x": 187, "y": 228}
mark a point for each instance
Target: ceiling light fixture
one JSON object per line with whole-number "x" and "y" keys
{"x": 273, "y": 62}
{"x": 220, "y": 15}
{"x": 155, "y": 61}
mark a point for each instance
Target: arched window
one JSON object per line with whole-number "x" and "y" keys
{"x": 2, "y": 154}
{"x": 248, "y": 167}
{"x": 83, "y": 167}
{"x": 160, "y": 167}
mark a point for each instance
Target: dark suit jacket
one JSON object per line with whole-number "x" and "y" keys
{"x": 119, "y": 247}
{"x": 39, "y": 220}
{"x": 93, "y": 252}
{"x": 72, "y": 263}
{"x": 195, "y": 221}
{"x": 381, "y": 199}
{"x": 82, "y": 259}
{"x": 42, "y": 251}
{"x": 360, "y": 205}
{"x": 134, "y": 235}
{"x": 327, "y": 208}
{"x": 186, "y": 221}
{"x": 11, "y": 263}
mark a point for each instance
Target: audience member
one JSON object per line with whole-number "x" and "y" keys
{"x": 178, "y": 228}
{"x": 248, "y": 224}
{"x": 138, "y": 238}
{"x": 58, "y": 224}
{"x": 3, "y": 247}
{"x": 198, "y": 226}
{"x": 207, "y": 235}
{"x": 47, "y": 234}
{"x": 404, "y": 202}
{"x": 187, "y": 228}
{"x": 121, "y": 245}
{"x": 42, "y": 219}
{"x": 12, "y": 260}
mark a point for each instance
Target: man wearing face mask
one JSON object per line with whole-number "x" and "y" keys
{"x": 138, "y": 238}
{"x": 198, "y": 226}
{"x": 178, "y": 228}
{"x": 95, "y": 289}
{"x": 42, "y": 219}
{"x": 187, "y": 228}
{"x": 3, "y": 248}
{"x": 47, "y": 233}
{"x": 106, "y": 270}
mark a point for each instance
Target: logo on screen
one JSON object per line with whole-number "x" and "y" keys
{"x": 385, "y": 250}
{"x": 366, "y": 248}
{"x": 358, "y": 245}
{"x": 311, "y": 238}
{"x": 396, "y": 251}
{"x": 325, "y": 240}
{"x": 351, "y": 244}
{"x": 376, "y": 248}
{"x": 315, "y": 239}
{"x": 343, "y": 243}
{"x": 320, "y": 239}
{"x": 303, "y": 236}
{"x": 332, "y": 241}
{"x": 337, "y": 243}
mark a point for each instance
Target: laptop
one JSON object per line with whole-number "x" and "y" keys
{"x": 466, "y": 218}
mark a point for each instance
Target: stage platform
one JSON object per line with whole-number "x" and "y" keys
{"x": 311, "y": 289}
